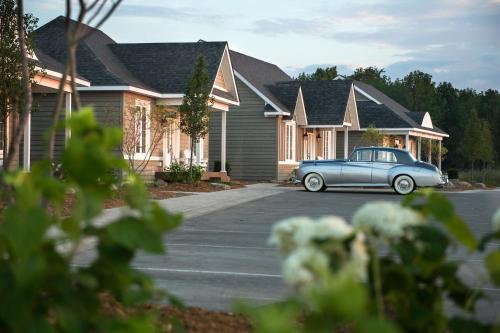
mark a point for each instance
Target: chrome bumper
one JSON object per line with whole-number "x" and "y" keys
{"x": 296, "y": 181}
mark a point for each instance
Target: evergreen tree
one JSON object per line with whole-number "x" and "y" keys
{"x": 194, "y": 111}
{"x": 329, "y": 73}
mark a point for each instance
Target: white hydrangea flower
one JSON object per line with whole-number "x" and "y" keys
{"x": 283, "y": 233}
{"x": 359, "y": 257}
{"x": 329, "y": 227}
{"x": 496, "y": 221}
{"x": 387, "y": 219}
{"x": 304, "y": 267}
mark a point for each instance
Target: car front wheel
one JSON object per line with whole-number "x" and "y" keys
{"x": 314, "y": 182}
{"x": 404, "y": 185}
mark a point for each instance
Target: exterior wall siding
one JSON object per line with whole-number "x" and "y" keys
{"x": 355, "y": 140}
{"x": 251, "y": 138}
{"x": 41, "y": 121}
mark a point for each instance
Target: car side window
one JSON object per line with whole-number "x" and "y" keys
{"x": 385, "y": 156}
{"x": 363, "y": 155}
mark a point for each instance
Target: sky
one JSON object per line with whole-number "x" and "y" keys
{"x": 453, "y": 40}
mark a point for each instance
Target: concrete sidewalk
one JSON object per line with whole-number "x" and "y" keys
{"x": 204, "y": 202}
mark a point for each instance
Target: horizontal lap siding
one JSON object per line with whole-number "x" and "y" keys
{"x": 251, "y": 138}
{"x": 107, "y": 106}
{"x": 41, "y": 122}
{"x": 354, "y": 138}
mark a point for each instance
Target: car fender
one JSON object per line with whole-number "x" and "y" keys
{"x": 400, "y": 170}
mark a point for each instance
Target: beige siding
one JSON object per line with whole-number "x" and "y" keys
{"x": 285, "y": 171}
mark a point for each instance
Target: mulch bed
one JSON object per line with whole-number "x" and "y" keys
{"x": 191, "y": 319}
{"x": 202, "y": 186}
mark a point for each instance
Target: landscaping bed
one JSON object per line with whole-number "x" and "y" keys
{"x": 202, "y": 186}
{"x": 190, "y": 319}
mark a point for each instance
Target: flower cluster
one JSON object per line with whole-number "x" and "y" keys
{"x": 386, "y": 219}
{"x": 315, "y": 248}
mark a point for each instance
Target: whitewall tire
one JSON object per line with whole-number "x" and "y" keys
{"x": 314, "y": 182}
{"x": 404, "y": 185}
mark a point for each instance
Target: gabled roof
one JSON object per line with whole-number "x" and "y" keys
{"x": 154, "y": 68}
{"x": 379, "y": 115}
{"x": 410, "y": 118}
{"x": 167, "y": 67}
{"x": 326, "y": 101}
{"x": 48, "y": 63}
{"x": 95, "y": 61}
{"x": 261, "y": 76}
{"x": 286, "y": 93}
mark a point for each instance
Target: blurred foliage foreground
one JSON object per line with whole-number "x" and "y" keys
{"x": 341, "y": 281}
{"x": 40, "y": 290}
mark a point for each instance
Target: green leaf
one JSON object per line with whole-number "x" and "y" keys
{"x": 492, "y": 263}
{"x": 135, "y": 234}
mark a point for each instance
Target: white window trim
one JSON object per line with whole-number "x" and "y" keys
{"x": 293, "y": 141}
{"x": 147, "y": 106}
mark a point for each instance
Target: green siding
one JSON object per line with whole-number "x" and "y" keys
{"x": 251, "y": 138}
{"x": 355, "y": 140}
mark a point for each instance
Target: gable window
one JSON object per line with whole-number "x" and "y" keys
{"x": 142, "y": 127}
{"x": 290, "y": 131}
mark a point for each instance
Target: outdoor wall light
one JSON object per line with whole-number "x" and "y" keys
{"x": 318, "y": 137}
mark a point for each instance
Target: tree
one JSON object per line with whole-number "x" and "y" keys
{"x": 486, "y": 151}
{"x": 328, "y": 73}
{"x": 137, "y": 121}
{"x": 16, "y": 29}
{"x": 420, "y": 93}
{"x": 194, "y": 111}
{"x": 76, "y": 31}
{"x": 471, "y": 148}
{"x": 372, "y": 136}
{"x": 371, "y": 75}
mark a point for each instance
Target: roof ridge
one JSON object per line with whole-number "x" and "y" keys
{"x": 260, "y": 60}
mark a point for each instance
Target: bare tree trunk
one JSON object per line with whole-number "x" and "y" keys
{"x": 25, "y": 107}
{"x": 56, "y": 114}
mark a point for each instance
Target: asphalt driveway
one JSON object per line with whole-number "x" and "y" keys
{"x": 223, "y": 255}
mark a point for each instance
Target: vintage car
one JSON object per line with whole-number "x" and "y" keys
{"x": 370, "y": 167}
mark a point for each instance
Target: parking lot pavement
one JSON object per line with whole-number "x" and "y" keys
{"x": 217, "y": 257}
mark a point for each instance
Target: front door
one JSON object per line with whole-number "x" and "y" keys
{"x": 309, "y": 147}
{"x": 170, "y": 145}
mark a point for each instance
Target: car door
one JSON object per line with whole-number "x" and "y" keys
{"x": 358, "y": 169}
{"x": 383, "y": 161}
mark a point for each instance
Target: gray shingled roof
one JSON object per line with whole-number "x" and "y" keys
{"x": 412, "y": 119}
{"x": 167, "y": 67}
{"x": 95, "y": 61}
{"x": 158, "y": 67}
{"x": 379, "y": 115}
{"x": 326, "y": 101}
{"x": 261, "y": 75}
{"x": 286, "y": 93}
{"x": 47, "y": 62}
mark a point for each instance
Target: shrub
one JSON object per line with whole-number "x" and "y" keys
{"x": 41, "y": 289}
{"x": 217, "y": 167}
{"x": 343, "y": 284}
{"x": 452, "y": 173}
{"x": 179, "y": 173}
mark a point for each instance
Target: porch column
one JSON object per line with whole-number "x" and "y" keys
{"x": 27, "y": 144}
{"x": 439, "y": 154}
{"x": 346, "y": 142}
{"x": 419, "y": 148}
{"x": 429, "y": 155}
{"x": 333, "y": 145}
{"x": 199, "y": 151}
{"x": 407, "y": 142}
{"x": 68, "y": 115}
{"x": 223, "y": 143}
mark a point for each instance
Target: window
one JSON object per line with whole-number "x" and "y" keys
{"x": 385, "y": 156}
{"x": 362, "y": 155}
{"x": 290, "y": 130}
{"x": 141, "y": 127}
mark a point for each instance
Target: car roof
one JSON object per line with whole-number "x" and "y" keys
{"x": 383, "y": 148}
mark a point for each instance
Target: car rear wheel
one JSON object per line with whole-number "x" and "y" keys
{"x": 404, "y": 185}
{"x": 314, "y": 183}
